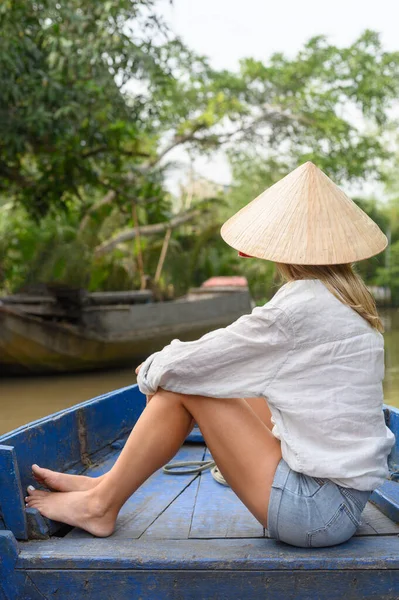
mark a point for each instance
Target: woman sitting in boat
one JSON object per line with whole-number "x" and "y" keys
{"x": 288, "y": 398}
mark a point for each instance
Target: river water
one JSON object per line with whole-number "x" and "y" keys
{"x": 26, "y": 399}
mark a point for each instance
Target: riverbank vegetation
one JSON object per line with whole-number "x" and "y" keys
{"x": 97, "y": 99}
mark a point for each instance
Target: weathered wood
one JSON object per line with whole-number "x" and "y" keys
{"x": 220, "y": 289}
{"x": 151, "y": 500}
{"x": 64, "y": 441}
{"x": 180, "y": 536}
{"x": 374, "y": 522}
{"x": 263, "y": 554}
{"x": 175, "y": 522}
{"x": 110, "y": 335}
{"x": 386, "y": 497}
{"x": 57, "y": 441}
{"x": 365, "y": 529}
{"x": 45, "y": 310}
{"x": 128, "y": 297}
{"x": 14, "y": 585}
{"x": 8, "y": 559}
{"x": 392, "y": 420}
{"x": 38, "y": 527}
{"x": 12, "y": 502}
{"x": 220, "y": 585}
{"x": 49, "y": 307}
{"x": 27, "y": 299}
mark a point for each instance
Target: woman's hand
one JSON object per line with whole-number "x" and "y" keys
{"x": 149, "y": 396}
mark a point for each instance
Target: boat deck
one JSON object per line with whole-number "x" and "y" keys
{"x": 179, "y": 537}
{"x": 195, "y": 506}
{"x": 189, "y": 537}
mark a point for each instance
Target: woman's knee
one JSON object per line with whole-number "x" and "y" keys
{"x": 177, "y": 395}
{"x": 162, "y": 393}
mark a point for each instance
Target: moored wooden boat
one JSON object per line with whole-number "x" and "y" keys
{"x": 39, "y": 336}
{"x": 177, "y": 537}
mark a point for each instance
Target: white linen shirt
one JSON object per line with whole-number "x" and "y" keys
{"x": 318, "y": 363}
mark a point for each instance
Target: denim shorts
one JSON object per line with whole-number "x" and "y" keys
{"x": 311, "y": 512}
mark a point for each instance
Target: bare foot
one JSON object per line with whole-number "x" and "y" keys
{"x": 62, "y": 482}
{"x": 79, "y": 509}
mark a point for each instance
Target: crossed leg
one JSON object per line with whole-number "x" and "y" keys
{"x": 239, "y": 440}
{"x": 63, "y": 482}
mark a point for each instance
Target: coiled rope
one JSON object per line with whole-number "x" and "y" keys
{"x": 177, "y": 468}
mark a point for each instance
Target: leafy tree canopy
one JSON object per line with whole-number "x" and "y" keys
{"x": 95, "y": 96}
{"x": 67, "y": 120}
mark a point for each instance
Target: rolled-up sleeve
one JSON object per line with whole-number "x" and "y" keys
{"x": 240, "y": 360}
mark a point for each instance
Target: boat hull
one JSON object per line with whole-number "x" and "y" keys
{"x": 182, "y": 536}
{"x": 110, "y": 336}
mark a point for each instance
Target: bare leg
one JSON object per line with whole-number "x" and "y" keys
{"x": 63, "y": 482}
{"x": 242, "y": 446}
{"x": 156, "y": 437}
{"x": 261, "y": 408}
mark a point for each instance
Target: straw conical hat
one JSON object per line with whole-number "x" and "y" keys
{"x": 304, "y": 219}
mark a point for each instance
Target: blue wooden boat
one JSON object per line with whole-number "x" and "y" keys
{"x": 178, "y": 537}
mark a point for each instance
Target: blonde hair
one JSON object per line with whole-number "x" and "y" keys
{"x": 343, "y": 282}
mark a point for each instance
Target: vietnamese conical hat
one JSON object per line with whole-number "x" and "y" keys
{"x": 304, "y": 219}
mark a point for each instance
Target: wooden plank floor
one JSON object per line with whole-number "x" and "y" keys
{"x": 171, "y": 507}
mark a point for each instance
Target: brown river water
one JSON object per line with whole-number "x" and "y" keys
{"x": 29, "y": 398}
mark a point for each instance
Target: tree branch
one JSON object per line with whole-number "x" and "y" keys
{"x": 177, "y": 141}
{"x": 103, "y": 148}
{"x": 147, "y": 230}
{"x": 269, "y": 111}
{"x": 94, "y": 151}
{"x": 107, "y": 199}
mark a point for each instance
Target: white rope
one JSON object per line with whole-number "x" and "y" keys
{"x": 175, "y": 468}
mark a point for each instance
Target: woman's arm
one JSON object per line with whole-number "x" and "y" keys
{"x": 149, "y": 396}
{"x": 230, "y": 362}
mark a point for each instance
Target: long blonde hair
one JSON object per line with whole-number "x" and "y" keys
{"x": 343, "y": 282}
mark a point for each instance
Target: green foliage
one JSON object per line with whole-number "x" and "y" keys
{"x": 326, "y": 105}
{"x": 53, "y": 252}
{"x": 389, "y": 275}
{"x": 33, "y": 253}
{"x": 94, "y": 97}
{"x": 66, "y": 122}
{"x": 370, "y": 269}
